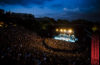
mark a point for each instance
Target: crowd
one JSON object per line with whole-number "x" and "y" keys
{"x": 58, "y": 44}
{"x": 19, "y": 46}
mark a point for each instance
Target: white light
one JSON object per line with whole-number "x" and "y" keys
{"x": 65, "y": 30}
{"x": 61, "y": 30}
{"x": 70, "y": 31}
{"x": 57, "y": 30}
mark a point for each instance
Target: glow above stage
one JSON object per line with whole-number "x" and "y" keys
{"x": 65, "y": 37}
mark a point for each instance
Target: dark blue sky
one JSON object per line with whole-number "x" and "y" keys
{"x": 58, "y": 9}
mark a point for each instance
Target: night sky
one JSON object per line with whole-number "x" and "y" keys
{"x": 57, "y": 9}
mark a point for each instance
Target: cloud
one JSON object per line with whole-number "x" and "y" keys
{"x": 57, "y": 6}
{"x": 71, "y": 10}
{"x": 69, "y": 15}
{"x": 22, "y": 2}
{"x": 80, "y": 15}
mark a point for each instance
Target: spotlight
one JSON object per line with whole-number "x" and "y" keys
{"x": 70, "y": 31}
{"x": 61, "y": 30}
{"x": 57, "y": 30}
{"x": 65, "y": 30}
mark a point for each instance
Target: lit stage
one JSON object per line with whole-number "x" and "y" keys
{"x": 65, "y": 37}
